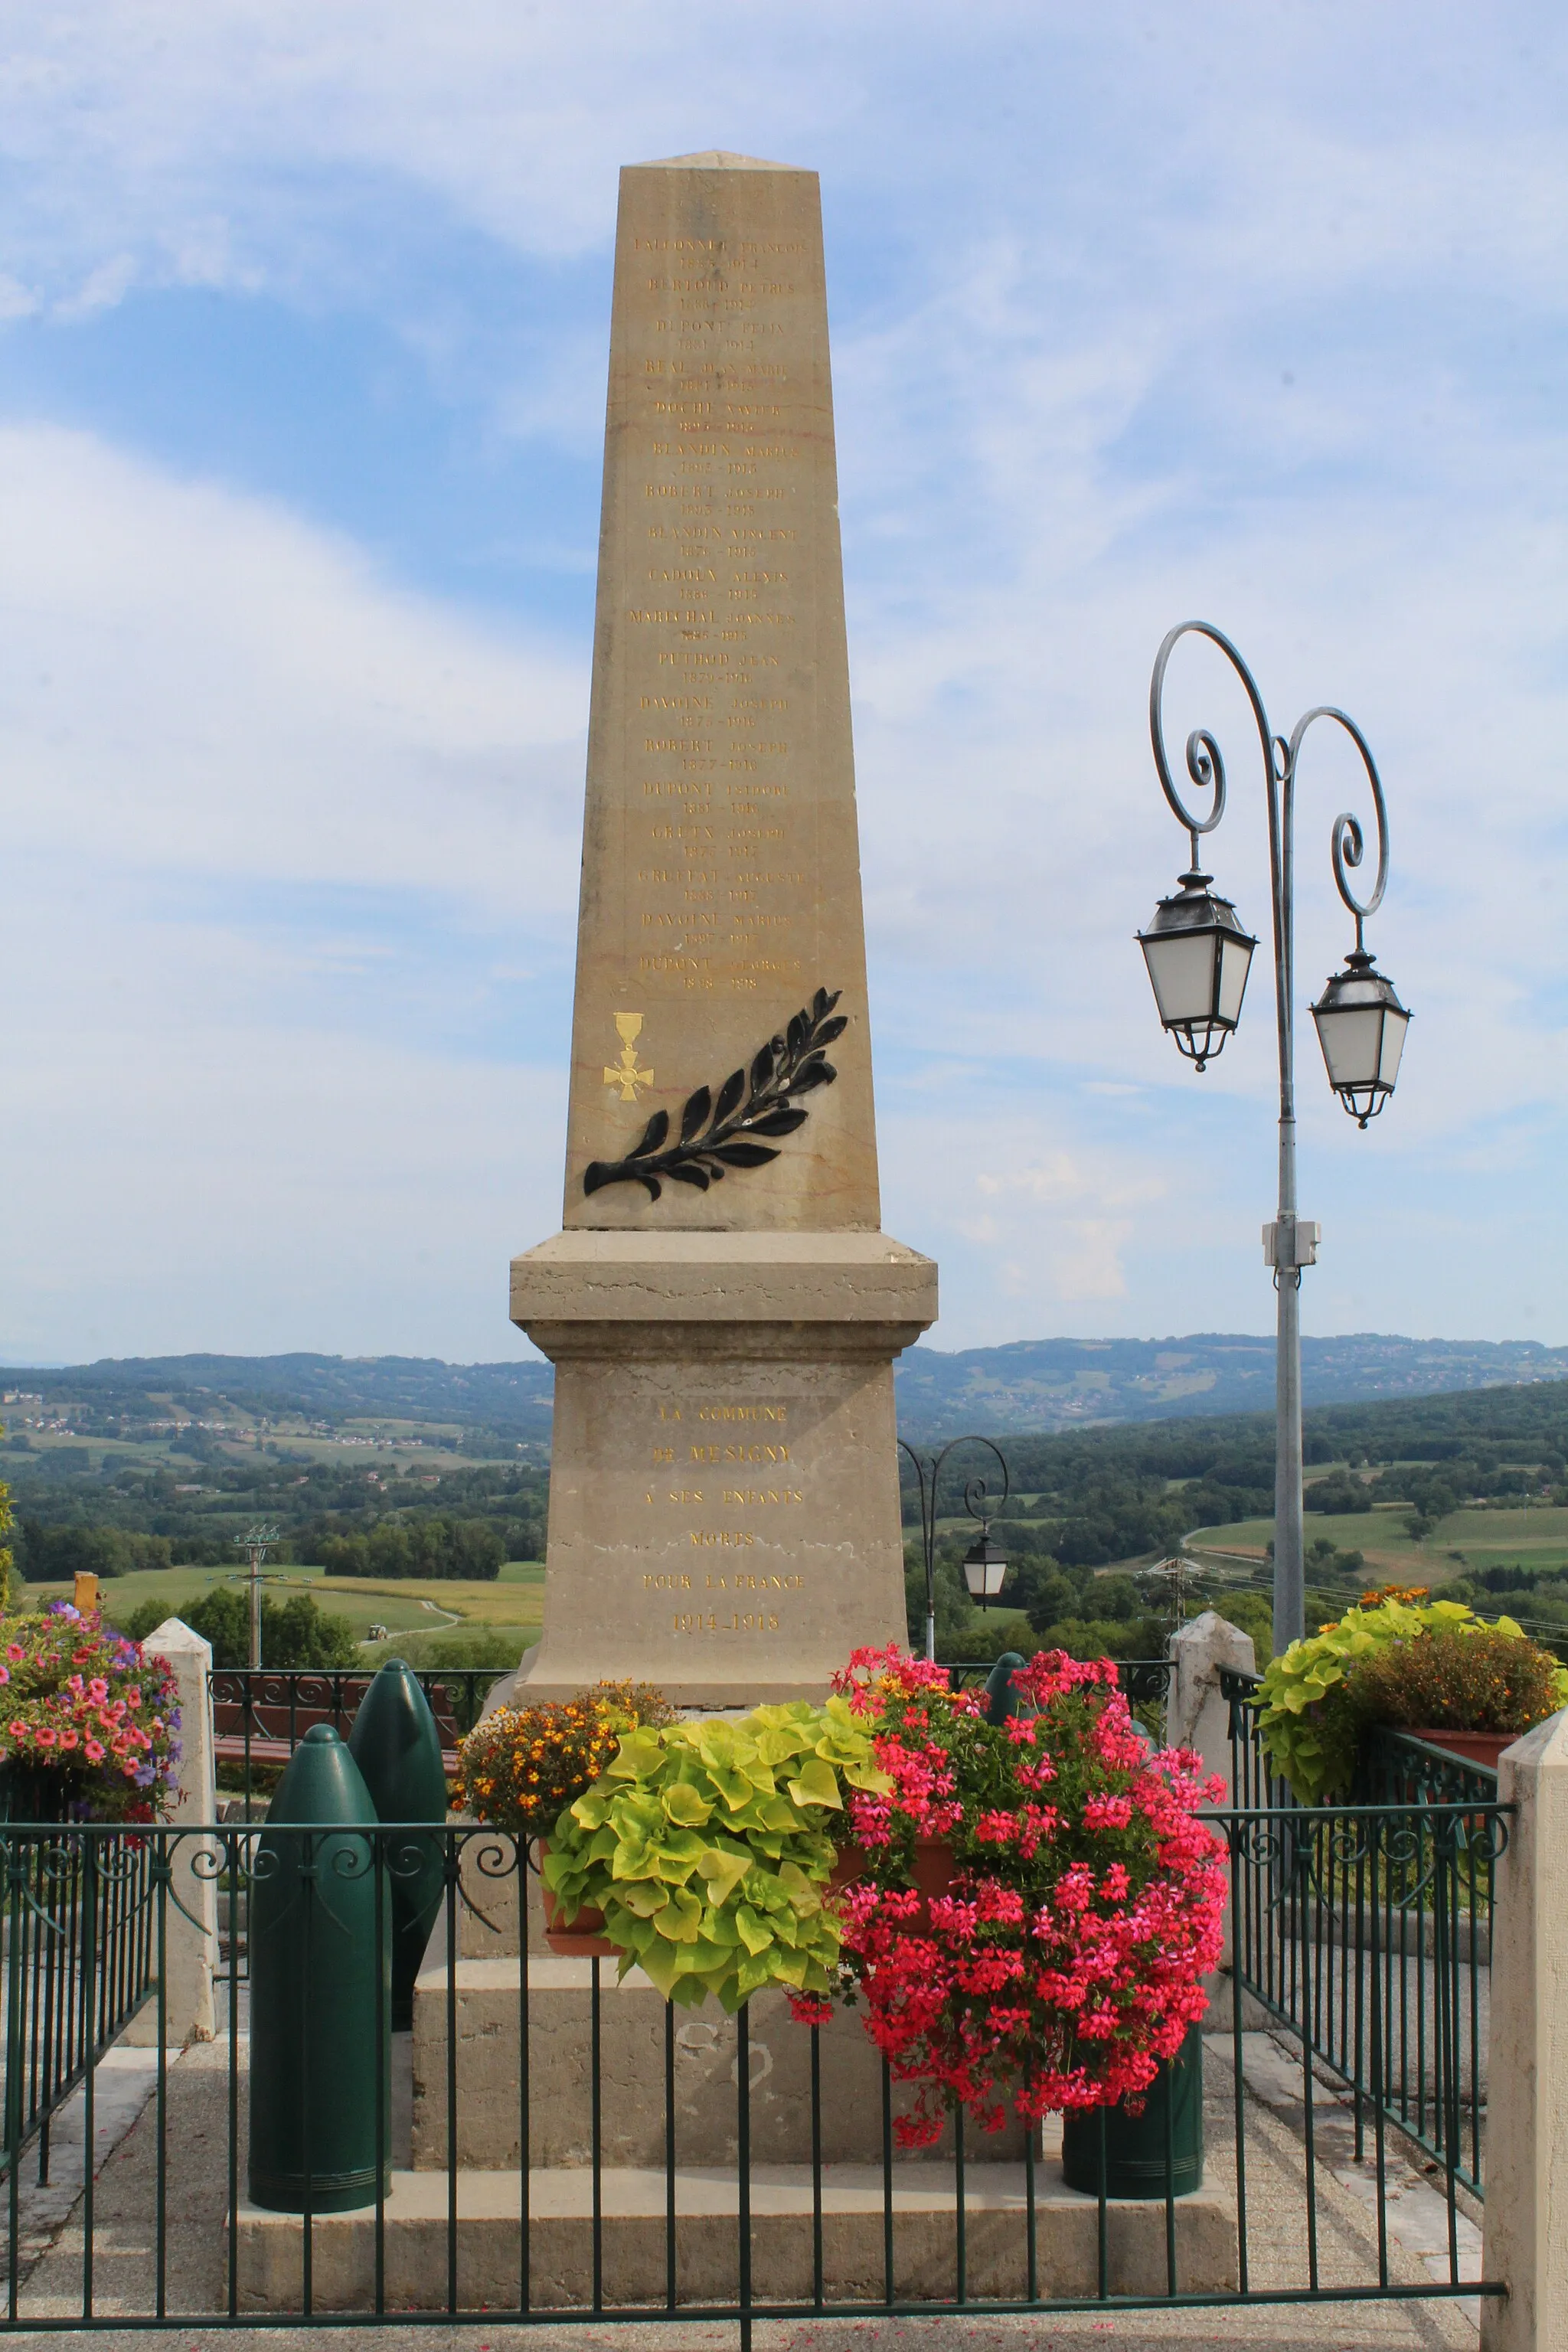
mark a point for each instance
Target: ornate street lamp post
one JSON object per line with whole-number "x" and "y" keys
{"x": 985, "y": 1564}
{"x": 1199, "y": 955}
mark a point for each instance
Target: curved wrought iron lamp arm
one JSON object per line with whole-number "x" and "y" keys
{"x": 975, "y": 1501}
{"x": 1348, "y": 842}
{"x": 1206, "y": 762}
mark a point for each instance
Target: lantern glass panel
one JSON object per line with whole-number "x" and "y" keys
{"x": 1352, "y": 1039}
{"x": 1181, "y": 971}
{"x": 985, "y": 1568}
{"x": 1394, "y": 1024}
{"x": 1235, "y": 961}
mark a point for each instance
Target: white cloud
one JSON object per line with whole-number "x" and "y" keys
{"x": 240, "y": 774}
{"x": 203, "y": 683}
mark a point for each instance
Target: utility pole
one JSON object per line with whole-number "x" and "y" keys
{"x": 1178, "y": 1574}
{"x": 256, "y": 1543}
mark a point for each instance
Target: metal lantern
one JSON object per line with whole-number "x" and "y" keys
{"x": 1361, "y": 1028}
{"x": 1199, "y": 957}
{"x": 984, "y": 1567}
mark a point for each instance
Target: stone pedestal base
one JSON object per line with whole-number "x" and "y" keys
{"x": 724, "y": 1499}
{"x": 634, "y": 2239}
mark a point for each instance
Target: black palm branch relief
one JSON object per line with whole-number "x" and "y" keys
{"x": 720, "y": 1132}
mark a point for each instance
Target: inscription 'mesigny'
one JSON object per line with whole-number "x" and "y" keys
{"x": 714, "y": 1453}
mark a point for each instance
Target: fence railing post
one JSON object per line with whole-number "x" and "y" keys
{"x": 192, "y": 1948}
{"x": 1526, "y": 2239}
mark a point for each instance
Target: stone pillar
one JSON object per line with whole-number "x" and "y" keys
{"x": 1526, "y": 2236}
{"x": 1196, "y": 1715}
{"x": 721, "y": 1306}
{"x": 192, "y": 1950}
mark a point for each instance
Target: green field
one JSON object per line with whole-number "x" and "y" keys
{"x": 514, "y": 1601}
{"x": 1537, "y": 1538}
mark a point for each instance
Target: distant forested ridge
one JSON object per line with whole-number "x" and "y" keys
{"x": 1028, "y": 1386}
{"x": 1049, "y": 1385}
{"x": 1085, "y": 1498}
{"x": 123, "y": 1395}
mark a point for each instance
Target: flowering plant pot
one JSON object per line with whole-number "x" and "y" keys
{"x": 1062, "y": 1961}
{"x": 930, "y": 1867}
{"x": 1475, "y": 1747}
{"x": 519, "y": 1765}
{"x": 580, "y": 1937}
{"x": 1156, "y": 2138}
{"x": 87, "y": 1724}
{"x": 1398, "y": 1659}
{"x": 705, "y": 1850}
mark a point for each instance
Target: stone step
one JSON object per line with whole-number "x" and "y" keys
{"x": 634, "y": 2239}
{"x": 632, "y": 2075}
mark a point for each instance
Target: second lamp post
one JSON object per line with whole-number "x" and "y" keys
{"x": 1199, "y": 955}
{"x": 984, "y": 1563}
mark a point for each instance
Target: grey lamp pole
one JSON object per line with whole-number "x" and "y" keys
{"x": 976, "y": 1502}
{"x": 1199, "y": 955}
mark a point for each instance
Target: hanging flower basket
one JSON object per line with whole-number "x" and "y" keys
{"x": 87, "y": 1725}
{"x": 1062, "y": 1960}
{"x": 930, "y": 1867}
{"x": 583, "y": 1936}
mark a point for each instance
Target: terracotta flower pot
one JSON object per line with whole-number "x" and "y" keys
{"x": 932, "y": 1873}
{"x": 1475, "y": 1747}
{"x": 584, "y": 1939}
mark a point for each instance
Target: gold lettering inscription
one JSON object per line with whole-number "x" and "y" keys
{"x": 742, "y": 1581}
{"x": 697, "y": 1622}
{"x": 739, "y": 1453}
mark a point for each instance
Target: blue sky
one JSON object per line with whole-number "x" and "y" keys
{"x": 1243, "y": 311}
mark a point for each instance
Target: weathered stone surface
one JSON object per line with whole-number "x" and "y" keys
{"x": 191, "y": 1921}
{"x": 635, "y": 2240}
{"x": 1526, "y": 2243}
{"x": 720, "y": 858}
{"x": 724, "y": 1514}
{"x": 632, "y": 2028}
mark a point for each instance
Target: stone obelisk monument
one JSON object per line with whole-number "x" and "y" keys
{"x": 720, "y": 1306}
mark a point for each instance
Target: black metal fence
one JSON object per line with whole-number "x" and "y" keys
{"x": 1367, "y": 1929}
{"x": 80, "y": 1958}
{"x": 557, "y": 2144}
{"x": 260, "y": 1714}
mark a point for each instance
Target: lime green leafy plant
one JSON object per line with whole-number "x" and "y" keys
{"x": 707, "y": 1848}
{"x": 1308, "y": 1723}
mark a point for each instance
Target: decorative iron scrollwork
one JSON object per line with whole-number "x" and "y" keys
{"x": 717, "y": 1134}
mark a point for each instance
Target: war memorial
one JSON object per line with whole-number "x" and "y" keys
{"x": 721, "y": 1305}
{"x": 376, "y": 2060}
{"x": 722, "y": 1309}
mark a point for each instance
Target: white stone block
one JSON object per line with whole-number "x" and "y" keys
{"x": 1526, "y": 2235}
{"x": 192, "y": 1944}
